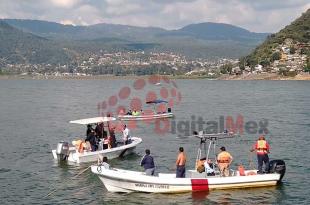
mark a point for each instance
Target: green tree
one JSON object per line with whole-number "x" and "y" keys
{"x": 276, "y": 56}
{"x": 242, "y": 63}
{"x": 226, "y": 68}
{"x": 307, "y": 66}
{"x": 292, "y": 50}
{"x": 265, "y": 62}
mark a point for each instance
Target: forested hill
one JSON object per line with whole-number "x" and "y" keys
{"x": 297, "y": 33}
{"x": 202, "y": 40}
{"x": 21, "y": 47}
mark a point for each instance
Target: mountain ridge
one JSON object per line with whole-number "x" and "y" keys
{"x": 194, "y": 40}
{"x": 205, "y": 29}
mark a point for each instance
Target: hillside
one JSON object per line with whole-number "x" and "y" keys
{"x": 218, "y": 31}
{"x": 20, "y": 47}
{"x": 205, "y": 40}
{"x": 295, "y": 36}
{"x": 70, "y": 32}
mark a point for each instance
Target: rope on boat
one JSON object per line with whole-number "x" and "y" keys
{"x": 56, "y": 189}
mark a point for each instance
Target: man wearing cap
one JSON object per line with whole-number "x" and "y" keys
{"x": 224, "y": 159}
{"x": 262, "y": 149}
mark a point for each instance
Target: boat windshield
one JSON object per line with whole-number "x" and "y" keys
{"x": 156, "y": 101}
{"x": 93, "y": 120}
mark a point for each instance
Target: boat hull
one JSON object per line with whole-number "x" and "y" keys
{"x": 84, "y": 157}
{"x": 145, "y": 117}
{"x": 117, "y": 180}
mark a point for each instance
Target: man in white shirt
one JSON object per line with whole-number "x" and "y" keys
{"x": 209, "y": 170}
{"x": 103, "y": 162}
{"x": 126, "y": 136}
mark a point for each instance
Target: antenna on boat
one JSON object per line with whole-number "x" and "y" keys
{"x": 212, "y": 138}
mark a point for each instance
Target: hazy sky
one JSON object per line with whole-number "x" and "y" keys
{"x": 254, "y": 15}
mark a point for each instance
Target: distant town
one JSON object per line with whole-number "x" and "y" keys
{"x": 288, "y": 59}
{"x": 126, "y": 63}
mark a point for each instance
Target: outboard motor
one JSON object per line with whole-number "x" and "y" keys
{"x": 277, "y": 166}
{"x": 62, "y": 151}
{"x": 169, "y": 109}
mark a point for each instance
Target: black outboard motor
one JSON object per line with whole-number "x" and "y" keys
{"x": 277, "y": 166}
{"x": 169, "y": 109}
{"x": 62, "y": 151}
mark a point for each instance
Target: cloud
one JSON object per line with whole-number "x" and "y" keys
{"x": 64, "y": 3}
{"x": 67, "y": 22}
{"x": 259, "y": 16}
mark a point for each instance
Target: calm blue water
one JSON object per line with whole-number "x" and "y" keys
{"x": 34, "y": 116}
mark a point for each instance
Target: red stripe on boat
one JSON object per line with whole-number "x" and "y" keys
{"x": 200, "y": 184}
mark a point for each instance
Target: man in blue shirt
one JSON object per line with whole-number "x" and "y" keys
{"x": 148, "y": 163}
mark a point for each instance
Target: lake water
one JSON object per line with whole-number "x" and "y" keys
{"x": 34, "y": 117}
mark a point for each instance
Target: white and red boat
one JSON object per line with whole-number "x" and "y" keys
{"x": 120, "y": 180}
{"x": 66, "y": 152}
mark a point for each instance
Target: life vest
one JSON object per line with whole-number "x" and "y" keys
{"x": 261, "y": 147}
{"x": 108, "y": 141}
{"x": 79, "y": 144}
{"x": 200, "y": 166}
{"x": 241, "y": 170}
{"x": 223, "y": 157}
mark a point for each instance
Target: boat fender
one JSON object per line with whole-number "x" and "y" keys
{"x": 241, "y": 170}
{"x": 251, "y": 173}
{"x": 99, "y": 168}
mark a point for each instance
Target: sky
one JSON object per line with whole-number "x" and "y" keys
{"x": 254, "y": 15}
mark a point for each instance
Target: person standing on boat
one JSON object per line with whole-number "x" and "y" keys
{"x": 89, "y": 129}
{"x": 126, "y": 136}
{"x": 92, "y": 139}
{"x": 180, "y": 163}
{"x": 262, "y": 149}
{"x": 99, "y": 130}
{"x": 224, "y": 160}
{"x": 148, "y": 163}
{"x": 112, "y": 138}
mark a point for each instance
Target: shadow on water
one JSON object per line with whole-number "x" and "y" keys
{"x": 199, "y": 197}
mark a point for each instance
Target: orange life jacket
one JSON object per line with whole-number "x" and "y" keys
{"x": 261, "y": 147}
{"x": 241, "y": 170}
{"x": 109, "y": 142}
{"x": 200, "y": 164}
{"x": 81, "y": 147}
{"x": 224, "y": 157}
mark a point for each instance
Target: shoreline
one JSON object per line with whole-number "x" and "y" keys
{"x": 265, "y": 76}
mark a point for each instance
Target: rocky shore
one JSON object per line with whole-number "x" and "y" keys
{"x": 262, "y": 76}
{"x": 265, "y": 76}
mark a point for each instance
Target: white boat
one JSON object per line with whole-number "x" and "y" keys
{"x": 120, "y": 180}
{"x": 141, "y": 116}
{"x": 70, "y": 153}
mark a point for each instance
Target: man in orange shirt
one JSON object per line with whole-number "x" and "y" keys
{"x": 180, "y": 164}
{"x": 224, "y": 159}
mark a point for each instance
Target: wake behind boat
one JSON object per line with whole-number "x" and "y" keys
{"x": 140, "y": 115}
{"x": 78, "y": 154}
{"x": 120, "y": 180}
